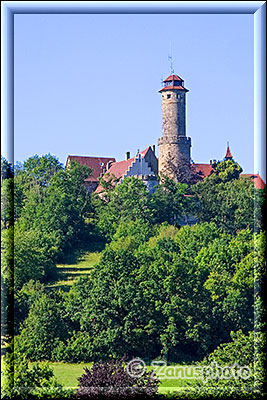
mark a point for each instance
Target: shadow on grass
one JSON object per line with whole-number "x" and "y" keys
{"x": 67, "y": 272}
{"x": 75, "y": 255}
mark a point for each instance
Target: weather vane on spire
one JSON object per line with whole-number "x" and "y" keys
{"x": 170, "y": 58}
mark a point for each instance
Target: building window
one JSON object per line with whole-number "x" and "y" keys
{"x": 168, "y": 96}
{"x": 178, "y": 96}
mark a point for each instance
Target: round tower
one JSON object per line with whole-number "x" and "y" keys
{"x": 174, "y": 145}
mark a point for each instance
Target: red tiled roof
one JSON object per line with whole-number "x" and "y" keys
{"x": 173, "y": 78}
{"x": 94, "y": 163}
{"x": 119, "y": 168}
{"x": 258, "y": 182}
{"x": 203, "y": 169}
{"x": 173, "y": 87}
{"x": 228, "y": 153}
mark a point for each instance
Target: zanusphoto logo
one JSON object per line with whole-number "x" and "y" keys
{"x": 137, "y": 367}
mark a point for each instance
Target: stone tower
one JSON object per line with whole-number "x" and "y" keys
{"x": 174, "y": 145}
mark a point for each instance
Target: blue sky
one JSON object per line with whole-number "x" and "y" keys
{"x": 88, "y": 84}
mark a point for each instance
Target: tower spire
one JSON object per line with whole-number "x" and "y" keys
{"x": 228, "y": 155}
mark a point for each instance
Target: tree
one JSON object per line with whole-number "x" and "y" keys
{"x": 7, "y": 283}
{"x": 24, "y": 299}
{"x": 28, "y": 381}
{"x": 229, "y": 204}
{"x": 34, "y": 257}
{"x": 237, "y": 369}
{"x": 225, "y": 171}
{"x": 7, "y": 203}
{"x": 7, "y": 170}
{"x": 129, "y": 201}
{"x": 38, "y": 170}
{"x": 107, "y": 182}
{"x": 169, "y": 203}
{"x": 232, "y": 302}
{"x": 174, "y": 293}
{"x": 58, "y": 214}
{"x": 46, "y": 325}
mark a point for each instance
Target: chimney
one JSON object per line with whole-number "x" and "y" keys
{"x": 154, "y": 148}
{"x": 128, "y": 155}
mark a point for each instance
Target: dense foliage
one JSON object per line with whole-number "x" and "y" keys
{"x": 22, "y": 380}
{"x": 51, "y": 205}
{"x": 179, "y": 276}
{"x": 238, "y": 369}
{"x": 232, "y": 203}
{"x": 170, "y": 295}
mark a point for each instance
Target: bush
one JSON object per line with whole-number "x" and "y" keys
{"x": 78, "y": 348}
{"x": 44, "y": 327}
{"x": 23, "y": 380}
{"x": 243, "y": 377}
{"x": 111, "y": 380}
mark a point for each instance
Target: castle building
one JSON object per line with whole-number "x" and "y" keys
{"x": 174, "y": 146}
{"x": 143, "y": 166}
{"x": 98, "y": 165}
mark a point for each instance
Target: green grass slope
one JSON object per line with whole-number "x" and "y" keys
{"x": 77, "y": 264}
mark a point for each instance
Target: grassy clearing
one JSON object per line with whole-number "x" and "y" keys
{"x": 77, "y": 264}
{"x": 68, "y": 374}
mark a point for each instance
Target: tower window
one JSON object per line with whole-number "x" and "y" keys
{"x": 168, "y": 96}
{"x": 178, "y": 96}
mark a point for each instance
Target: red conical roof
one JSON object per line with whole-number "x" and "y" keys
{"x": 173, "y": 78}
{"x": 228, "y": 153}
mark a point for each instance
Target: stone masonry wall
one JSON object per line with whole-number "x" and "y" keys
{"x": 174, "y": 146}
{"x": 173, "y": 113}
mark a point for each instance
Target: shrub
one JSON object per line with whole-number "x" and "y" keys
{"x": 244, "y": 353}
{"x": 23, "y": 380}
{"x": 111, "y": 380}
{"x": 77, "y": 348}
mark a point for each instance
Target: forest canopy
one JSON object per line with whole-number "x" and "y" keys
{"x": 179, "y": 274}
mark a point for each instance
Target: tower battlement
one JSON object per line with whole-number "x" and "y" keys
{"x": 174, "y": 140}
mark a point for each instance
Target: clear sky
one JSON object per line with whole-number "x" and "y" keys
{"x": 88, "y": 84}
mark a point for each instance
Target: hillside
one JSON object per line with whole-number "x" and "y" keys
{"x": 77, "y": 264}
